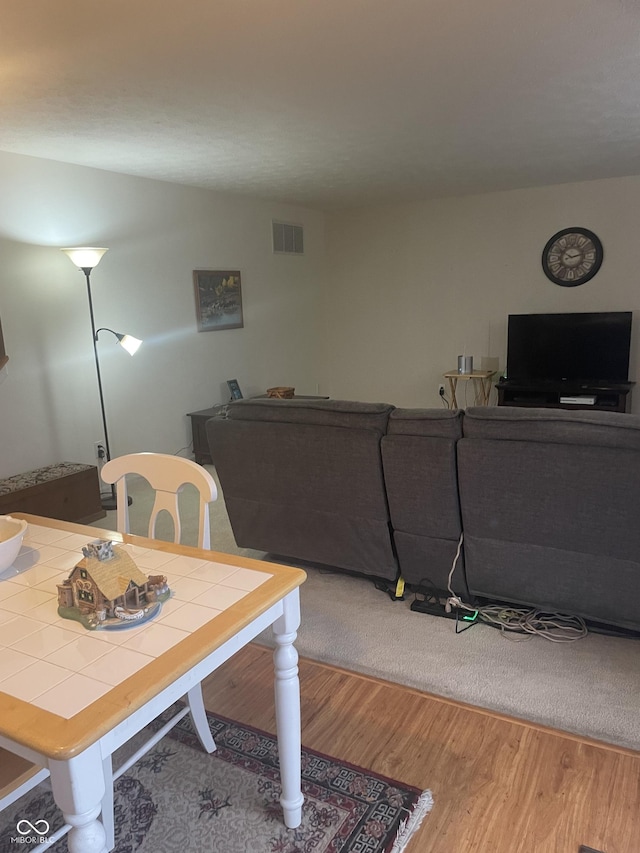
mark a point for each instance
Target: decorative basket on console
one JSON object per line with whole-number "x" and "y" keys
{"x": 282, "y": 392}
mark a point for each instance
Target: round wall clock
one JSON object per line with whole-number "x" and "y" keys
{"x": 572, "y": 256}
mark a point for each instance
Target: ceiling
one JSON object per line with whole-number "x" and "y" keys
{"x": 327, "y": 103}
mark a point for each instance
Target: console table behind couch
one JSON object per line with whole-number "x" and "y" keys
{"x": 69, "y": 491}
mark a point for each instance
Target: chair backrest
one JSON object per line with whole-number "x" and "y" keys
{"x": 167, "y": 475}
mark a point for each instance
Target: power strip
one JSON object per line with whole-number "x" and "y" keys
{"x": 432, "y": 609}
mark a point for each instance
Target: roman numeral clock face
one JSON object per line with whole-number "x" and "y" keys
{"x": 572, "y": 257}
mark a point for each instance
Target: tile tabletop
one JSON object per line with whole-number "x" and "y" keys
{"x": 59, "y": 666}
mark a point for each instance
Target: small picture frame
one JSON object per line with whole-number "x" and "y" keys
{"x": 218, "y": 296}
{"x": 234, "y": 389}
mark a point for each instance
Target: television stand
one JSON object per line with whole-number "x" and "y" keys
{"x": 601, "y": 397}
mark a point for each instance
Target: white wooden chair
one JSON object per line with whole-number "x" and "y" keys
{"x": 167, "y": 475}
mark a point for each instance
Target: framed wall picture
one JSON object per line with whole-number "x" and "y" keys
{"x": 234, "y": 389}
{"x": 218, "y": 299}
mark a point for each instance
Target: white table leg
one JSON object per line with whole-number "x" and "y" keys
{"x": 78, "y": 789}
{"x": 287, "y": 697}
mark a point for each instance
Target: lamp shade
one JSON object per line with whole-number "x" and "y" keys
{"x": 85, "y": 257}
{"x": 128, "y": 342}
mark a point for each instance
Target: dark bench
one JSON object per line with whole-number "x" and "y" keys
{"x": 69, "y": 491}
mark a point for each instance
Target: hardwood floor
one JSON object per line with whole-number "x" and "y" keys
{"x": 499, "y": 786}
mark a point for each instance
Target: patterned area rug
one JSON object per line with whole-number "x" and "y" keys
{"x": 178, "y": 798}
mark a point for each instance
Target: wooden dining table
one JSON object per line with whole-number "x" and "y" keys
{"x": 69, "y": 696}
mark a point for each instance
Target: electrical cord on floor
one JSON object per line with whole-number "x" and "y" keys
{"x": 555, "y": 627}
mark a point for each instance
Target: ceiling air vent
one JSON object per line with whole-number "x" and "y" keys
{"x": 287, "y": 238}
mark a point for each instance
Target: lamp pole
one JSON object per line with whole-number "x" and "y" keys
{"x": 107, "y": 503}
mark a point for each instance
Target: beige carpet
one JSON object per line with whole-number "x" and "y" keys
{"x": 589, "y": 687}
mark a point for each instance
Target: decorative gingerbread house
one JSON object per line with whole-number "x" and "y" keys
{"x": 107, "y": 584}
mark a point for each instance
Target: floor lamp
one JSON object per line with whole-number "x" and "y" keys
{"x": 86, "y": 259}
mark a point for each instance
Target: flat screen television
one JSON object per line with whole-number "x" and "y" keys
{"x": 583, "y": 348}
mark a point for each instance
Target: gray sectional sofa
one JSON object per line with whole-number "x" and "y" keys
{"x": 549, "y": 504}
{"x": 545, "y": 498}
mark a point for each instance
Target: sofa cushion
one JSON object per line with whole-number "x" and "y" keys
{"x": 548, "y": 507}
{"x": 419, "y": 455}
{"x": 304, "y": 480}
{"x": 337, "y": 413}
{"x": 561, "y": 426}
{"x": 419, "y": 458}
{"x": 568, "y": 497}
{"x": 434, "y": 423}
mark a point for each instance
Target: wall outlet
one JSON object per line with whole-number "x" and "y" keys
{"x": 99, "y": 449}
{"x": 441, "y": 390}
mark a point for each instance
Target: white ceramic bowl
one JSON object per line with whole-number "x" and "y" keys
{"x": 12, "y": 532}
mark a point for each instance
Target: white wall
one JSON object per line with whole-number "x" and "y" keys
{"x": 412, "y": 286}
{"x": 157, "y": 234}
{"x": 400, "y": 292}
